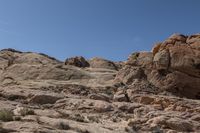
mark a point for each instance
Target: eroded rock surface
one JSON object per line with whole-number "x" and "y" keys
{"x": 78, "y": 61}
{"x": 156, "y": 91}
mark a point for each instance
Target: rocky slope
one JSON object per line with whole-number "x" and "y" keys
{"x": 152, "y": 92}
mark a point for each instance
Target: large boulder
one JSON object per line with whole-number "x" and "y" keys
{"x": 140, "y": 59}
{"x": 173, "y": 65}
{"x": 102, "y": 63}
{"x": 180, "y": 57}
{"x": 77, "y": 61}
{"x": 193, "y": 39}
{"x": 186, "y": 60}
{"x": 177, "y": 60}
{"x": 162, "y": 59}
{"x": 177, "y": 82}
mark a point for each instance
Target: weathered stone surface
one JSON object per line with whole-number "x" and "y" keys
{"x": 45, "y": 98}
{"x": 102, "y": 63}
{"x": 156, "y": 91}
{"x": 162, "y": 60}
{"x": 77, "y": 61}
{"x": 174, "y": 66}
{"x": 140, "y": 58}
{"x": 128, "y": 74}
{"x": 102, "y": 97}
{"x": 120, "y": 97}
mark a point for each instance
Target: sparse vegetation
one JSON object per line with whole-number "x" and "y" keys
{"x": 6, "y": 115}
{"x": 26, "y": 111}
{"x": 79, "y": 130}
{"x": 135, "y": 55}
{"x": 63, "y": 126}
{"x": 17, "y": 118}
{"x": 141, "y": 94}
{"x": 93, "y": 119}
{"x": 15, "y": 97}
{"x": 79, "y": 118}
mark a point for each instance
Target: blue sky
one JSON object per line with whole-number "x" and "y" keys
{"x": 110, "y": 29}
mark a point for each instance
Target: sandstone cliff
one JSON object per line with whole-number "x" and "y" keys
{"x": 157, "y": 91}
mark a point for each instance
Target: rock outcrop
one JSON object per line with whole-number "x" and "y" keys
{"x": 102, "y": 63}
{"x": 178, "y": 58}
{"x": 77, "y": 61}
{"x": 173, "y": 65}
{"x": 157, "y": 91}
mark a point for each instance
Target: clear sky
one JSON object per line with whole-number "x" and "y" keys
{"x": 110, "y": 29}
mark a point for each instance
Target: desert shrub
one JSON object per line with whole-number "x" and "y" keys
{"x": 79, "y": 118}
{"x": 17, "y": 118}
{"x": 135, "y": 55}
{"x": 93, "y": 119}
{"x": 62, "y": 125}
{"x": 26, "y": 111}
{"x": 6, "y": 115}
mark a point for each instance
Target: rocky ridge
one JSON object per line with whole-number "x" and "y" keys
{"x": 152, "y": 92}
